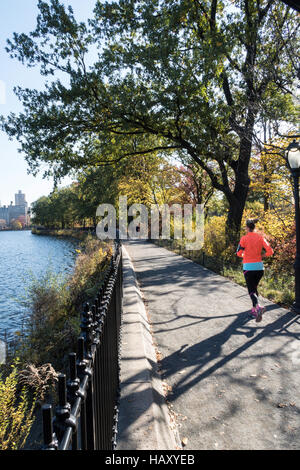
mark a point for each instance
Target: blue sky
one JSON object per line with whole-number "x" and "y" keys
{"x": 20, "y": 16}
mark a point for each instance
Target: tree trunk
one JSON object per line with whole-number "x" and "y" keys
{"x": 266, "y": 196}
{"x": 234, "y": 219}
{"x": 237, "y": 199}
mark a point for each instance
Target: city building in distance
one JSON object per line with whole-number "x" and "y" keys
{"x": 14, "y": 212}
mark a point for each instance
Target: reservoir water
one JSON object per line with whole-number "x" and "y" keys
{"x": 22, "y": 257}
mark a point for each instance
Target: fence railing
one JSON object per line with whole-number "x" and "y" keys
{"x": 87, "y": 411}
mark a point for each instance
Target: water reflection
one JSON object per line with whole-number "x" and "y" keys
{"x": 22, "y": 256}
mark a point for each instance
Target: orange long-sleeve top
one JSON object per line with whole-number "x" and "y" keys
{"x": 250, "y": 249}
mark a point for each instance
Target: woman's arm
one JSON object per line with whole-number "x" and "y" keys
{"x": 240, "y": 250}
{"x": 268, "y": 248}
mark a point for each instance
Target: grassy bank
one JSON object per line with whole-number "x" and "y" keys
{"x": 78, "y": 234}
{"x": 54, "y": 304}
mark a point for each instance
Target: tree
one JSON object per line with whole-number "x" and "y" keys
{"x": 96, "y": 185}
{"x": 151, "y": 180}
{"x": 41, "y": 212}
{"x": 191, "y": 77}
{"x": 271, "y": 179}
{"x": 16, "y": 225}
{"x": 22, "y": 220}
{"x": 197, "y": 185}
{"x": 58, "y": 210}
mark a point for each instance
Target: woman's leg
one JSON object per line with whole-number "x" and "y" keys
{"x": 252, "y": 279}
{"x": 259, "y": 276}
{"x": 260, "y": 310}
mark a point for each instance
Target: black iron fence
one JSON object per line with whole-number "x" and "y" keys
{"x": 87, "y": 411}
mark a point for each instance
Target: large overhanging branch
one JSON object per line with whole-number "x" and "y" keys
{"x": 137, "y": 153}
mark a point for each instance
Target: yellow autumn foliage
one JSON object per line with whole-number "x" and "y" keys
{"x": 214, "y": 236}
{"x": 16, "y": 413}
{"x": 277, "y": 225}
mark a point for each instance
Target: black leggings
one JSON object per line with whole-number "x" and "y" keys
{"x": 252, "y": 280}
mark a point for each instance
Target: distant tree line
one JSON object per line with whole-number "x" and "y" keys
{"x": 148, "y": 180}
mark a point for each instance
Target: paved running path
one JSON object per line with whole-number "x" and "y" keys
{"x": 235, "y": 383}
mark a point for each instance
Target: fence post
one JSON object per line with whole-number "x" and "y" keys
{"x": 73, "y": 385}
{"x": 87, "y": 329}
{"x": 83, "y": 372}
{"x": 50, "y": 440}
{"x": 63, "y": 418}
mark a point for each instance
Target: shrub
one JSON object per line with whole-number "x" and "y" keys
{"x": 54, "y": 304}
{"x": 39, "y": 379}
{"x": 284, "y": 253}
{"x": 90, "y": 267}
{"x": 214, "y": 236}
{"x": 47, "y": 329}
{"x": 16, "y": 413}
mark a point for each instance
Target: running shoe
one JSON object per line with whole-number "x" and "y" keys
{"x": 260, "y": 311}
{"x": 252, "y": 313}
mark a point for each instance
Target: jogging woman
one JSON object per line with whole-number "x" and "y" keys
{"x": 250, "y": 249}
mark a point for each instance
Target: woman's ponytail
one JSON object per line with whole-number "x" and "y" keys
{"x": 251, "y": 223}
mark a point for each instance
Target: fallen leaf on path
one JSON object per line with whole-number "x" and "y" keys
{"x": 282, "y": 405}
